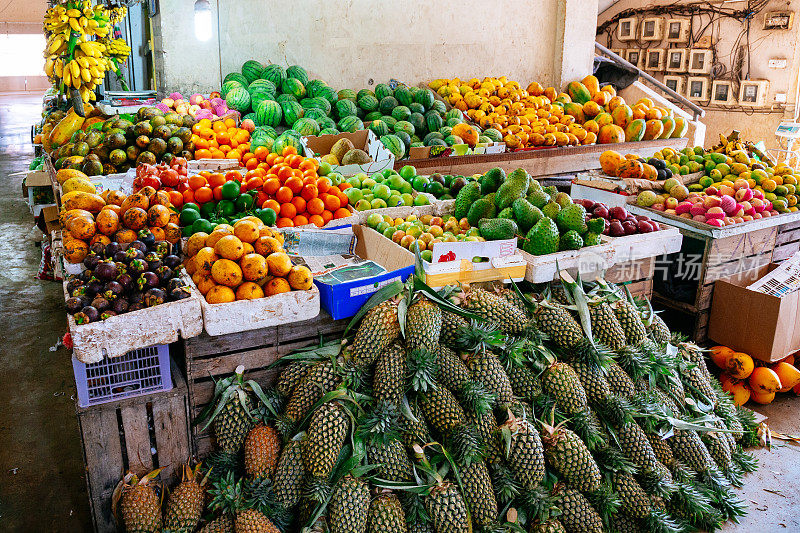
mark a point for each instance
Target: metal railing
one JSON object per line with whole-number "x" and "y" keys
{"x": 696, "y": 111}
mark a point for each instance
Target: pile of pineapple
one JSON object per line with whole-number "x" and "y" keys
{"x": 568, "y": 409}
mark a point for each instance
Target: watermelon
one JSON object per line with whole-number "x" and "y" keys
{"x": 266, "y": 130}
{"x": 432, "y": 135}
{"x": 439, "y": 107}
{"x": 281, "y": 98}
{"x": 403, "y": 95}
{"x": 284, "y": 140}
{"x": 318, "y": 103}
{"x": 453, "y": 113}
{"x": 239, "y": 99}
{"x": 437, "y": 142}
{"x": 315, "y": 113}
{"x": 328, "y": 94}
{"x": 418, "y": 121}
{"x": 346, "y": 108}
{"x": 484, "y": 139}
{"x": 259, "y": 138}
{"x": 401, "y": 112}
{"x": 274, "y": 73}
{"x": 262, "y": 84}
{"x": 452, "y": 122}
{"x": 269, "y": 113}
{"x": 228, "y": 85}
{"x": 326, "y": 122}
{"x": 417, "y": 108}
{"x": 252, "y": 70}
{"x": 236, "y": 76}
{"x": 372, "y": 115}
{"x": 404, "y": 125}
{"x": 394, "y": 145}
{"x": 445, "y": 131}
{"x": 294, "y": 87}
{"x": 259, "y": 96}
{"x": 405, "y": 137}
{"x": 298, "y": 73}
{"x": 364, "y": 92}
{"x": 379, "y": 128}
{"x": 389, "y": 120}
{"x": 350, "y": 124}
{"x": 383, "y": 90}
{"x": 347, "y": 94}
{"x": 292, "y": 112}
{"x": 306, "y": 126}
{"x": 368, "y": 102}
{"x": 433, "y": 121}
{"x": 415, "y": 139}
{"x": 316, "y": 87}
{"x": 417, "y": 145}
{"x": 424, "y": 97}
{"x": 387, "y": 104}
{"x": 494, "y": 135}
{"x": 453, "y": 139}
{"x": 329, "y": 131}
{"x": 250, "y": 116}
{"x": 360, "y": 113}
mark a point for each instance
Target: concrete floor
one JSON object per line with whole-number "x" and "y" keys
{"x": 42, "y": 486}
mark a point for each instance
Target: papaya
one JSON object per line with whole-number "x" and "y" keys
{"x": 83, "y": 228}
{"x": 82, "y": 200}
{"x": 681, "y": 127}
{"x": 653, "y": 129}
{"x": 669, "y": 127}
{"x": 75, "y": 250}
{"x": 622, "y": 115}
{"x": 635, "y": 130}
{"x": 578, "y": 92}
{"x": 64, "y": 174}
{"x": 89, "y": 121}
{"x": 610, "y": 133}
{"x": 78, "y": 184}
{"x": 65, "y": 216}
{"x": 592, "y": 84}
{"x": 576, "y": 110}
{"x": 604, "y": 119}
{"x": 65, "y": 128}
{"x": 630, "y": 169}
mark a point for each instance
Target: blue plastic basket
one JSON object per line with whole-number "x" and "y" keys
{"x": 138, "y": 372}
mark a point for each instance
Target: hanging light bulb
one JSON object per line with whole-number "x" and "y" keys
{"x": 202, "y": 20}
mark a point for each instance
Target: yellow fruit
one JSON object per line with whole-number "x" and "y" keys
{"x": 279, "y": 264}
{"x": 246, "y": 231}
{"x": 267, "y": 245}
{"x": 740, "y": 393}
{"x": 276, "y": 286}
{"x": 78, "y": 184}
{"x": 740, "y": 365}
{"x": 195, "y": 243}
{"x": 764, "y": 380}
{"x": 300, "y": 278}
{"x": 762, "y": 397}
{"x": 229, "y": 247}
{"x": 205, "y": 259}
{"x": 220, "y": 294}
{"x": 216, "y": 235}
{"x": 204, "y": 282}
{"x": 254, "y": 267}
{"x": 226, "y": 272}
{"x": 788, "y": 375}
{"x": 720, "y": 355}
{"x": 249, "y": 291}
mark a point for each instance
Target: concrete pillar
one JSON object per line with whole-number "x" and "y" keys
{"x": 576, "y": 25}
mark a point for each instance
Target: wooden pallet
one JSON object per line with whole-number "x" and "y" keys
{"x": 212, "y": 358}
{"x": 137, "y": 435}
{"x": 787, "y": 242}
{"x": 636, "y": 275}
{"x": 722, "y": 258}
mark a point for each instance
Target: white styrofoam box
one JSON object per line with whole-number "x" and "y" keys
{"x": 643, "y": 245}
{"x": 589, "y": 260}
{"x": 611, "y": 199}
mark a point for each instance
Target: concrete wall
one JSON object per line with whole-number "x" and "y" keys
{"x": 22, "y": 17}
{"x": 358, "y": 43}
{"x": 756, "y": 124}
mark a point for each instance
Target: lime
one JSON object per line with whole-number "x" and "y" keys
{"x": 226, "y": 208}
{"x": 203, "y": 225}
{"x": 267, "y": 216}
{"x": 230, "y": 189}
{"x": 419, "y": 183}
{"x": 408, "y": 172}
{"x": 188, "y": 231}
{"x": 208, "y": 209}
{"x": 324, "y": 168}
{"x": 191, "y": 205}
{"x": 188, "y": 217}
{"x": 244, "y": 203}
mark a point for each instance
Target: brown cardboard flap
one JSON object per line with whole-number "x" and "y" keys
{"x": 372, "y": 245}
{"x": 322, "y": 144}
{"x": 50, "y": 217}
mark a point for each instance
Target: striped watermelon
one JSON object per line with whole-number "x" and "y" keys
{"x": 389, "y": 120}
{"x": 401, "y": 112}
{"x": 284, "y": 140}
{"x": 321, "y": 103}
{"x": 379, "y": 128}
{"x": 315, "y": 113}
{"x": 452, "y": 122}
{"x": 432, "y": 135}
{"x": 433, "y": 121}
{"x": 439, "y": 107}
{"x": 453, "y": 113}
{"x": 347, "y": 94}
{"x": 416, "y": 107}
{"x": 252, "y": 70}
{"x": 266, "y": 130}
{"x": 328, "y": 94}
{"x": 274, "y": 73}
{"x": 394, "y": 145}
{"x": 293, "y": 87}
{"x": 404, "y": 125}
{"x": 416, "y": 144}
{"x": 236, "y": 76}
{"x": 424, "y": 97}
{"x": 382, "y": 90}
{"x": 484, "y": 139}
{"x": 239, "y": 99}
{"x": 298, "y": 73}
{"x": 306, "y": 126}
{"x": 329, "y": 131}
{"x": 262, "y": 84}
{"x": 418, "y": 121}
{"x": 269, "y": 113}
{"x": 453, "y": 139}
{"x": 315, "y": 87}
{"x": 368, "y": 102}
{"x": 259, "y": 96}
{"x": 445, "y": 131}
{"x": 494, "y": 135}
{"x": 403, "y": 95}
{"x": 415, "y": 139}
{"x": 259, "y": 138}
{"x": 387, "y": 104}
{"x": 364, "y": 92}
{"x": 281, "y": 98}
{"x": 350, "y": 124}
{"x": 249, "y": 116}
{"x": 437, "y": 142}
{"x": 326, "y": 122}
{"x": 372, "y": 115}
{"x": 346, "y": 108}
{"x": 228, "y": 86}
{"x": 405, "y": 137}
{"x": 292, "y": 112}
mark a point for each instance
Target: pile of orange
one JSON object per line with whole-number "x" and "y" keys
{"x": 290, "y": 185}
{"x": 220, "y": 139}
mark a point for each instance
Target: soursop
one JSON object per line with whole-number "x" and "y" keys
{"x": 542, "y": 239}
{"x": 572, "y": 217}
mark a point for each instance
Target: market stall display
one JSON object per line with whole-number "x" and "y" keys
{"x": 747, "y": 379}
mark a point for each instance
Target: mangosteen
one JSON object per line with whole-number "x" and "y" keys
{"x": 136, "y": 307}
{"x": 85, "y": 276}
{"x": 74, "y": 304}
{"x": 112, "y": 248}
{"x": 137, "y": 266}
{"x": 86, "y": 315}
{"x": 106, "y": 270}
{"x": 147, "y": 280}
{"x": 73, "y": 284}
{"x": 133, "y": 253}
{"x": 126, "y": 281}
{"x": 101, "y": 303}
{"x": 79, "y": 292}
{"x": 122, "y": 257}
{"x": 146, "y": 236}
{"x": 174, "y": 283}
{"x": 93, "y": 288}
{"x": 98, "y": 248}
{"x": 162, "y": 248}
{"x": 179, "y": 293}
{"x": 107, "y": 314}
{"x": 122, "y": 268}
{"x": 139, "y": 245}
{"x": 154, "y": 296}
{"x": 171, "y": 261}
{"x": 113, "y": 289}
{"x": 136, "y": 297}
{"x": 119, "y": 306}
{"x": 153, "y": 261}
{"x": 164, "y": 273}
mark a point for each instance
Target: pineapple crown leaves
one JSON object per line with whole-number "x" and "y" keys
{"x": 233, "y": 388}
{"x": 745, "y": 461}
{"x": 581, "y": 301}
{"x": 423, "y": 369}
{"x": 480, "y": 337}
{"x": 605, "y": 501}
{"x": 475, "y": 398}
{"x": 466, "y": 444}
{"x": 128, "y": 481}
{"x": 444, "y": 303}
{"x": 537, "y": 504}
{"x": 611, "y": 460}
{"x": 259, "y": 494}
{"x": 659, "y": 521}
{"x": 379, "y": 424}
{"x": 310, "y": 355}
{"x": 227, "y": 494}
{"x": 696, "y": 503}
{"x": 587, "y": 429}
{"x": 527, "y": 301}
{"x": 506, "y": 486}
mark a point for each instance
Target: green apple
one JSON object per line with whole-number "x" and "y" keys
{"x": 378, "y": 203}
{"x": 355, "y": 181}
{"x": 368, "y": 183}
{"x": 395, "y": 182}
{"x": 408, "y": 200}
{"x": 421, "y": 200}
{"x": 373, "y": 220}
{"x": 394, "y": 200}
{"x": 408, "y": 172}
{"x": 381, "y": 191}
{"x": 324, "y": 168}
{"x": 363, "y": 205}
{"x": 353, "y": 195}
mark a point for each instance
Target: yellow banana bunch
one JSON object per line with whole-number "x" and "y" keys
{"x": 118, "y": 47}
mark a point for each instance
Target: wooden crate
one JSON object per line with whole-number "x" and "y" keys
{"x": 722, "y": 258}
{"x": 636, "y": 275}
{"x": 137, "y": 434}
{"x": 212, "y": 358}
{"x": 787, "y": 242}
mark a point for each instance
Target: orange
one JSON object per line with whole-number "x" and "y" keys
{"x": 229, "y": 247}
{"x": 295, "y": 184}
{"x": 332, "y": 202}
{"x": 272, "y": 204}
{"x": 316, "y": 220}
{"x": 284, "y": 223}
{"x": 203, "y": 195}
{"x": 216, "y": 179}
{"x": 217, "y": 193}
{"x": 309, "y": 192}
{"x": 293, "y": 160}
{"x": 299, "y": 204}
{"x": 279, "y": 264}
{"x": 197, "y": 181}
{"x": 271, "y": 186}
{"x": 220, "y": 294}
{"x": 341, "y": 213}
{"x": 284, "y": 195}
{"x": 218, "y": 126}
{"x": 276, "y": 285}
{"x": 284, "y": 172}
{"x": 288, "y": 210}
{"x": 315, "y": 206}
{"x": 261, "y": 153}
{"x": 246, "y": 231}
{"x": 249, "y": 291}
{"x": 288, "y": 150}
{"x": 226, "y": 272}
{"x": 233, "y": 175}
{"x": 309, "y": 164}
{"x": 327, "y": 216}
{"x": 299, "y": 220}
{"x": 323, "y": 184}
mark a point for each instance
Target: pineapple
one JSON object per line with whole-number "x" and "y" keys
{"x": 694, "y": 379}
{"x": 442, "y": 410}
{"x": 423, "y": 325}
{"x": 605, "y": 326}
{"x": 447, "y": 509}
{"x": 321, "y": 379}
{"x": 658, "y": 330}
{"x": 414, "y": 430}
{"x": 631, "y": 322}
{"x": 487, "y": 370}
{"x": 186, "y": 502}
{"x": 222, "y": 524}
{"x": 693, "y": 354}
{"x": 661, "y": 449}
{"x": 719, "y": 449}
{"x": 349, "y": 506}
{"x": 622, "y": 524}
{"x": 619, "y": 382}
{"x": 386, "y": 515}
{"x": 289, "y": 475}
{"x": 522, "y": 448}
{"x": 451, "y": 326}
{"x": 479, "y": 493}
{"x": 525, "y": 383}
{"x": 391, "y": 458}
{"x": 635, "y": 502}
{"x": 388, "y": 383}
{"x": 378, "y": 329}
{"x": 327, "y": 432}
{"x": 593, "y": 381}
{"x": 139, "y": 503}
{"x": 496, "y": 310}
{"x": 634, "y": 444}
{"x": 550, "y": 526}
{"x": 261, "y": 449}
{"x": 688, "y": 448}
{"x": 253, "y": 521}
{"x": 561, "y": 382}
{"x": 511, "y": 296}
{"x": 453, "y": 373}
{"x": 567, "y": 453}
{"x": 420, "y": 527}
{"x": 291, "y": 376}
{"x": 486, "y": 426}
{"x": 556, "y": 322}
{"x": 577, "y": 514}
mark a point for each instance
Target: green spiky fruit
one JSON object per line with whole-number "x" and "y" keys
{"x": 221, "y": 524}
{"x": 487, "y": 370}
{"x": 377, "y": 330}
{"x": 606, "y": 329}
{"x": 451, "y": 324}
{"x": 550, "y": 526}
{"x": 447, "y": 509}
{"x": 634, "y": 444}
{"x": 185, "y": 504}
{"x": 324, "y": 440}
{"x": 631, "y": 322}
{"x": 561, "y": 382}
{"x": 542, "y": 238}
{"x": 139, "y": 505}
{"x": 349, "y": 506}
{"x": 391, "y": 459}
{"x": 261, "y": 449}
{"x": 571, "y": 240}
{"x": 479, "y": 493}
{"x": 289, "y": 475}
{"x": 321, "y": 379}
{"x": 556, "y": 322}
{"x": 570, "y": 457}
{"x": 572, "y": 218}
{"x": 423, "y": 325}
{"x": 291, "y": 376}
{"x": 386, "y": 515}
{"x": 593, "y": 381}
{"x": 522, "y": 448}
{"x": 496, "y": 310}
{"x": 577, "y": 514}
{"x": 389, "y": 381}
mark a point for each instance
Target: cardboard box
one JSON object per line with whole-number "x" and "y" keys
{"x": 454, "y": 262}
{"x": 50, "y": 219}
{"x": 363, "y": 139}
{"x": 345, "y": 299}
{"x": 763, "y": 326}
{"x": 38, "y": 191}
